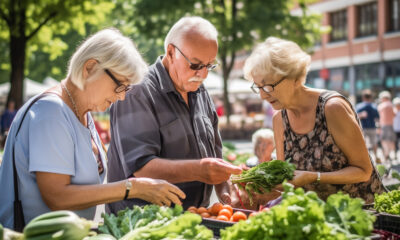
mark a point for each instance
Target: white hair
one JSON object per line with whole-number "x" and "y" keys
{"x": 113, "y": 51}
{"x": 396, "y": 101}
{"x": 277, "y": 57}
{"x": 385, "y": 94}
{"x": 261, "y": 134}
{"x": 185, "y": 25}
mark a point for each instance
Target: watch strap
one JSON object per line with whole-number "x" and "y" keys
{"x": 126, "y": 194}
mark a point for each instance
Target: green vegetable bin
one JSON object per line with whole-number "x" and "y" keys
{"x": 388, "y": 222}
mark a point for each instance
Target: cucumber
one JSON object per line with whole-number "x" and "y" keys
{"x": 51, "y": 215}
{"x": 1, "y": 232}
{"x": 57, "y": 225}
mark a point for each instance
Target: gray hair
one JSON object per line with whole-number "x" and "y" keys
{"x": 113, "y": 51}
{"x": 260, "y": 135}
{"x": 200, "y": 25}
{"x": 278, "y": 57}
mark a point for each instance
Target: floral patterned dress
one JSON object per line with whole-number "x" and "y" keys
{"x": 317, "y": 151}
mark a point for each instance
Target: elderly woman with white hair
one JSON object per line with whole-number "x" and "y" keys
{"x": 57, "y": 153}
{"x": 317, "y": 129}
{"x": 263, "y": 147}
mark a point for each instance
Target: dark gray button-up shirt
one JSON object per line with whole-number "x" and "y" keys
{"x": 155, "y": 122}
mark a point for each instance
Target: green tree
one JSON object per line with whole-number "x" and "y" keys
{"x": 21, "y": 21}
{"x": 240, "y": 23}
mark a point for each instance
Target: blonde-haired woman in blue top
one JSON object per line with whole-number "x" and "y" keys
{"x": 59, "y": 158}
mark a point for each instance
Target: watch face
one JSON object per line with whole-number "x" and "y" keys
{"x": 128, "y": 184}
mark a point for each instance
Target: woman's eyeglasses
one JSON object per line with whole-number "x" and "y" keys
{"x": 120, "y": 87}
{"x": 267, "y": 88}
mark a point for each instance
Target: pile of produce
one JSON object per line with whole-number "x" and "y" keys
{"x": 264, "y": 177}
{"x": 154, "y": 222}
{"x": 220, "y": 212}
{"x": 231, "y": 155}
{"x": 388, "y": 202}
{"x": 304, "y": 216}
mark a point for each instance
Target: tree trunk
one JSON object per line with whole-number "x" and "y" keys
{"x": 17, "y": 57}
{"x": 18, "y": 41}
{"x": 227, "y": 104}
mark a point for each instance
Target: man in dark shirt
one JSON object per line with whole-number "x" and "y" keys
{"x": 167, "y": 128}
{"x": 368, "y": 115}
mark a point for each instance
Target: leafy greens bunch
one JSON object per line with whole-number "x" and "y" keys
{"x": 304, "y": 216}
{"x": 264, "y": 177}
{"x": 129, "y": 219}
{"x": 388, "y": 202}
{"x": 186, "y": 226}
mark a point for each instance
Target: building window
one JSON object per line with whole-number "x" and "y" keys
{"x": 338, "y": 21}
{"x": 394, "y": 15}
{"x": 392, "y": 79}
{"x": 367, "y": 19}
{"x": 338, "y": 80}
{"x": 367, "y": 76}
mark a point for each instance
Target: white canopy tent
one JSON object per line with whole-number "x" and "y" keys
{"x": 31, "y": 88}
{"x": 214, "y": 85}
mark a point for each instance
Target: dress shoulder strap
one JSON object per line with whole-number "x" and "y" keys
{"x": 326, "y": 95}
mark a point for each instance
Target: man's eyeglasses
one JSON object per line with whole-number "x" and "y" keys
{"x": 120, "y": 87}
{"x": 197, "y": 66}
{"x": 267, "y": 88}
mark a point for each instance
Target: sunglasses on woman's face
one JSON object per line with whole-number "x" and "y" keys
{"x": 197, "y": 66}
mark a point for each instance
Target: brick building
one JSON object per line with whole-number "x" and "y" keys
{"x": 362, "y": 49}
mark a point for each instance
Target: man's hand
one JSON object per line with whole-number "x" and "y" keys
{"x": 223, "y": 192}
{"x": 215, "y": 170}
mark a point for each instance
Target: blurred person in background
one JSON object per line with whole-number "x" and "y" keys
{"x": 6, "y": 120}
{"x": 396, "y": 121}
{"x": 317, "y": 129}
{"x": 268, "y": 111}
{"x": 369, "y": 116}
{"x": 386, "y": 117}
{"x": 263, "y": 145}
{"x": 59, "y": 158}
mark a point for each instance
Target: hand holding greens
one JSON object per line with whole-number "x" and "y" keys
{"x": 264, "y": 177}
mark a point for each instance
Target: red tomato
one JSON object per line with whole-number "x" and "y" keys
{"x": 238, "y": 215}
{"x": 201, "y": 210}
{"x": 192, "y": 209}
{"x": 253, "y": 214}
{"x": 225, "y": 212}
{"x": 222, "y": 218}
{"x": 228, "y": 207}
{"x": 214, "y": 210}
{"x": 231, "y": 157}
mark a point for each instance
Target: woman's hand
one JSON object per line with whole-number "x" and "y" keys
{"x": 156, "y": 191}
{"x": 302, "y": 178}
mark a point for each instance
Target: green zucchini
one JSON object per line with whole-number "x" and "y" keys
{"x": 57, "y": 225}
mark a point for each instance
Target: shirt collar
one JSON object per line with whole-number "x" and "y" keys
{"x": 165, "y": 81}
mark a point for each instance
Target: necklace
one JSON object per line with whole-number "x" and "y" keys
{"x": 72, "y": 100}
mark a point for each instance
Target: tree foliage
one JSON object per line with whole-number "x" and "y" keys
{"x": 28, "y": 26}
{"x": 240, "y": 23}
